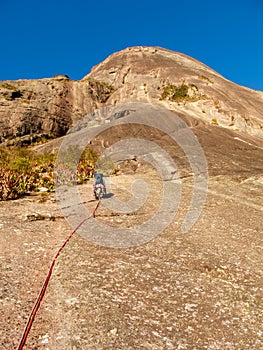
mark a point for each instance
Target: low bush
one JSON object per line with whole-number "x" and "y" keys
{"x": 174, "y": 92}
{"x": 181, "y": 93}
{"x": 23, "y": 171}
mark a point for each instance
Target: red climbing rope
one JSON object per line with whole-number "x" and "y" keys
{"x": 44, "y": 287}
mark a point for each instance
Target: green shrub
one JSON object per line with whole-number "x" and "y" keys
{"x": 24, "y": 171}
{"x": 183, "y": 92}
{"x": 174, "y": 92}
{"x": 67, "y": 169}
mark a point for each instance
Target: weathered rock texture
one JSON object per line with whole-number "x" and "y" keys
{"x": 31, "y": 109}
{"x": 197, "y": 290}
{"x": 144, "y": 73}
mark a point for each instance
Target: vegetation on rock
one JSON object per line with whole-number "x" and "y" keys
{"x": 75, "y": 166}
{"x": 23, "y": 170}
{"x": 183, "y": 92}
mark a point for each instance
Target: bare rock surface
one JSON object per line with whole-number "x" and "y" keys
{"x": 198, "y": 290}
{"x": 32, "y": 110}
{"x": 142, "y": 73}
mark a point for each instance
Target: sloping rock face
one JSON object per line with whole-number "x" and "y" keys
{"x": 33, "y": 109}
{"x": 196, "y": 290}
{"x": 46, "y": 108}
{"x": 183, "y": 84}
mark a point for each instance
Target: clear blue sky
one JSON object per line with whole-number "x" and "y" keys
{"x": 43, "y": 38}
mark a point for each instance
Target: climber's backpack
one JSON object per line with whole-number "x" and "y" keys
{"x": 98, "y": 178}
